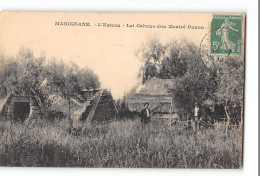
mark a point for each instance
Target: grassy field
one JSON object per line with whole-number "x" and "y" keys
{"x": 117, "y": 144}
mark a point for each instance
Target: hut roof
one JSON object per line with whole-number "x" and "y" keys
{"x": 155, "y": 92}
{"x": 3, "y": 101}
{"x": 155, "y": 86}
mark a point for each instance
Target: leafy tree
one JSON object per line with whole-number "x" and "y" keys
{"x": 87, "y": 79}
{"x": 22, "y": 74}
{"x": 196, "y": 86}
{"x": 230, "y": 88}
{"x": 150, "y": 54}
{"x": 63, "y": 81}
{"x": 178, "y": 56}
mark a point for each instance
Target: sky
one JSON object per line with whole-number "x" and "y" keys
{"x": 108, "y": 51}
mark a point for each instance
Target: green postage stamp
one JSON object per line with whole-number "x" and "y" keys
{"x": 226, "y": 34}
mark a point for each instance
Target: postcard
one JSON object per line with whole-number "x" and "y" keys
{"x": 122, "y": 90}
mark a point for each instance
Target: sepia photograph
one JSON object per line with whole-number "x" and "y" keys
{"x": 122, "y": 90}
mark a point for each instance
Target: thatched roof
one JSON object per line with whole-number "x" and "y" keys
{"x": 155, "y": 91}
{"x": 3, "y": 102}
{"x": 155, "y": 86}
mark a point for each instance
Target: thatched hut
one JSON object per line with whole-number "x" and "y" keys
{"x": 155, "y": 92}
{"x": 20, "y": 107}
{"x": 100, "y": 108}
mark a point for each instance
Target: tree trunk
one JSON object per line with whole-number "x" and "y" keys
{"x": 69, "y": 108}
{"x": 171, "y": 107}
{"x": 228, "y": 118}
{"x": 70, "y": 120}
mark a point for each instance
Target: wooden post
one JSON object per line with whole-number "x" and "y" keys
{"x": 228, "y": 117}
{"x": 70, "y": 120}
{"x": 69, "y": 107}
{"x": 171, "y": 111}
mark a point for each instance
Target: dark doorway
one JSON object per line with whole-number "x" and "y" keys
{"x": 21, "y": 110}
{"x": 219, "y": 113}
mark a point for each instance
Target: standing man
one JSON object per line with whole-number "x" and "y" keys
{"x": 145, "y": 114}
{"x": 196, "y": 115}
{"x": 196, "y": 112}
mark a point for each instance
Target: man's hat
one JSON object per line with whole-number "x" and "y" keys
{"x": 146, "y": 104}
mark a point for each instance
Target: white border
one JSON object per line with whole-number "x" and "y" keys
{"x": 251, "y": 103}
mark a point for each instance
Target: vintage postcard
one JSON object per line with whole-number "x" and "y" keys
{"x": 122, "y": 90}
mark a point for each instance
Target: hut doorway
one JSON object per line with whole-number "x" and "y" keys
{"x": 21, "y": 110}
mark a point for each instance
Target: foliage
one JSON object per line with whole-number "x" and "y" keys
{"x": 178, "y": 57}
{"x": 231, "y": 80}
{"x": 191, "y": 89}
{"x": 69, "y": 80}
{"x": 150, "y": 54}
{"x": 62, "y": 79}
{"x": 230, "y": 87}
{"x": 22, "y": 74}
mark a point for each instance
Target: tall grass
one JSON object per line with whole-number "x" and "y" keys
{"x": 117, "y": 144}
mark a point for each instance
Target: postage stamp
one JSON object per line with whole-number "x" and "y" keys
{"x": 226, "y": 34}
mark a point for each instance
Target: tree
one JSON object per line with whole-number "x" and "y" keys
{"x": 230, "y": 88}
{"x": 177, "y": 58}
{"x": 87, "y": 79}
{"x": 22, "y": 74}
{"x": 194, "y": 82}
{"x": 195, "y": 86}
{"x": 62, "y": 80}
{"x": 150, "y": 54}
{"x": 170, "y": 60}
